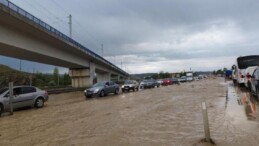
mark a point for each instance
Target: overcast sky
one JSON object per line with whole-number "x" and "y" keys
{"x": 154, "y": 35}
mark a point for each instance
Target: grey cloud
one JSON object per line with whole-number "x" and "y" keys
{"x": 120, "y": 23}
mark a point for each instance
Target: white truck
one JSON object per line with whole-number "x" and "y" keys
{"x": 189, "y": 76}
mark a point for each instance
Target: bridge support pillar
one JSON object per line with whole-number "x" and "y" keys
{"x": 103, "y": 76}
{"x": 82, "y": 77}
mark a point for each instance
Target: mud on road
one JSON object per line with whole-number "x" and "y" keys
{"x": 166, "y": 116}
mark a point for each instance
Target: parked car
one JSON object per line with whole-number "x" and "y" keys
{"x": 147, "y": 84}
{"x": 160, "y": 81}
{"x": 157, "y": 83}
{"x": 255, "y": 82}
{"x": 167, "y": 82}
{"x": 130, "y": 85}
{"x": 249, "y": 71}
{"x": 175, "y": 81}
{"x": 102, "y": 88}
{"x": 23, "y": 96}
{"x": 183, "y": 79}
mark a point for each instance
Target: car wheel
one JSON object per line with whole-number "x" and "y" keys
{"x": 101, "y": 93}
{"x": 134, "y": 89}
{"x": 116, "y": 91}
{"x": 249, "y": 87}
{"x": 88, "y": 96}
{"x": 39, "y": 103}
{"x": 122, "y": 90}
{"x": 1, "y": 109}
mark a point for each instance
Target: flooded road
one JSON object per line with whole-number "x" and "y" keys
{"x": 166, "y": 116}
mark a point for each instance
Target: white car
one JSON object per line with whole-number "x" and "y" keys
{"x": 249, "y": 71}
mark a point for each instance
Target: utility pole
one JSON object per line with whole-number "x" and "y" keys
{"x": 20, "y": 65}
{"x": 70, "y": 25}
{"x": 11, "y": 97}
{"x": 102, "y": 49}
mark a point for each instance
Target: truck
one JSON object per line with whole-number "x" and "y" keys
{"x": 189, "y": 76}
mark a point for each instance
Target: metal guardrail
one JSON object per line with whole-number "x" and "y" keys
{"x": 14, "y": 8}
{"x": 63, "y": 90}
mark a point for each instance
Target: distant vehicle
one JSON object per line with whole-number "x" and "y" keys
{"x": 23, "y": 96}
{"x": 228, "y": 74}
{"x": 101, "y": 89}
{"x": 167, "y": 82}
{"x": 248, "y": 73}
{"x": 130, "y": 85}
{"x": 175, "y": 81}
{"x": 183, "y": 79}
{"x": 189, "y": 76}
{"x": 160, "y": 81}
{"x": 148, "y": 84}
{"x": 157, "y": 83}
{"x": 200, "y": 77}
{"x": 255, "y": 82}
{"x": 241, "y": 64}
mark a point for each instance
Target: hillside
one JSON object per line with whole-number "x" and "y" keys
{"x": 8, "y": 74}
{"x": 141, "y": 76}
{"x": 6, "y": 69}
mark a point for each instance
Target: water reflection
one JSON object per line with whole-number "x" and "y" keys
{"x": 245, "y": 99}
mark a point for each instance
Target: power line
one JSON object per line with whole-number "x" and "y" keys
{"x": 52, "y": 17}
{"x": 92, "y": 41}
{"x": 76, "y": 22}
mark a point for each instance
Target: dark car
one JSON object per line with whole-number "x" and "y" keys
{"x": 144, "y": 84}
{"x": 148, "y": 84}
{"x": 255, "y": 82}
{"x": 101, "y": 89}
{"x": 158, "y": 83}
{"x": 175, "y": 81}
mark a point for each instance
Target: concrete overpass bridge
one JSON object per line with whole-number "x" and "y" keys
{"x": 26, "y": 37}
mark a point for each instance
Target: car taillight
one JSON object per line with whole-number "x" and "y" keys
{"x": 248, "y": 76}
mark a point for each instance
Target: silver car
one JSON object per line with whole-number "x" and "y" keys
{"x": 101, "y": 89}
{"x": 130, "y": 85}
{"x": 23, "y": 96}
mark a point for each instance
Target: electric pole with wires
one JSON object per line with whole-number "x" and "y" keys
{"x": 70, "y": 25}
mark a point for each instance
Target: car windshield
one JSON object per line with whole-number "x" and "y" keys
{"x": 3, "y": 90}
{"x": 128, "y": 82}
{"x": 99, "y": 84}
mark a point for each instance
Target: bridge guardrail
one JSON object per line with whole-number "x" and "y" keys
{"x": 14, "y": 8}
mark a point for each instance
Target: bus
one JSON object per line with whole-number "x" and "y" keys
{"x": 240, "y": 66}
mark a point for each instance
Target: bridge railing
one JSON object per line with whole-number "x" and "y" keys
{"x": 14, "y": 8}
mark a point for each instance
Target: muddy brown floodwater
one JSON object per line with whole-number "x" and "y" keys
{"x": 166, "y": 116}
